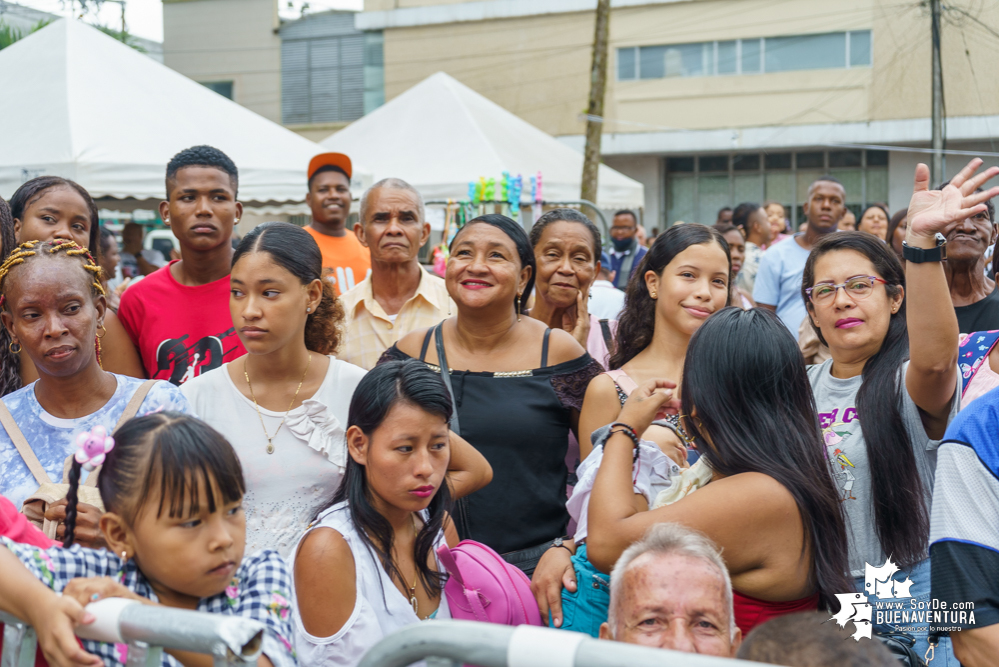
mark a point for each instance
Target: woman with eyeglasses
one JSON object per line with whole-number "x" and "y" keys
{"x": 889, "y": 391}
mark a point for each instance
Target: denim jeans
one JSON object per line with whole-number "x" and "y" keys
{"x": 920, "y": 591}
{"x": 587, "y": 608}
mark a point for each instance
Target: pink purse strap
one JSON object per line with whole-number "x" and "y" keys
{"x": 471, "y": 595}
{"x": 447, "y": 559}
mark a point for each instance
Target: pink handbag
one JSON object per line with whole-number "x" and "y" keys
{"x": 484, "y": 587}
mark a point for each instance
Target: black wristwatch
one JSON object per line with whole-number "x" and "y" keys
{"x": 920, "y": 255}
{"x": 559, "y": 542}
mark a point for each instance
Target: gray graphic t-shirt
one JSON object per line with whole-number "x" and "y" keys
{"x": 53, "y": 439}
{"x": 846, "y": 451}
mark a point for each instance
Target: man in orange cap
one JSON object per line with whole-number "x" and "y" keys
{"x": 345, "y": 261}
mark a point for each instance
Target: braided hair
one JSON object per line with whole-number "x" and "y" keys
{"x": 30, "y": 249}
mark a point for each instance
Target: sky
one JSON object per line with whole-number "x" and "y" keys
{"x": 144, "y": 18}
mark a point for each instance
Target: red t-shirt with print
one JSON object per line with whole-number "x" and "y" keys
{"x": 180, "y": 331}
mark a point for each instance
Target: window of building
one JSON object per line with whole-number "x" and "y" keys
{"x": 223, "y": 88}
{"x": 697, "y": 187}
{"x": 374, "y": 71}
{"x": 331, "y": 78}
{"x": 832, "y": 50}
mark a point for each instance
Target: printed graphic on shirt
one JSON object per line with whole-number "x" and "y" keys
{"x": 834, "y": 433}
{"x": 178, "y": 361}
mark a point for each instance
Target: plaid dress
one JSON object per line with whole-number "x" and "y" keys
{"x": 261, "y": 590}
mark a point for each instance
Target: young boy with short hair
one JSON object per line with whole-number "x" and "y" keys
{"x": 178, "y": 317}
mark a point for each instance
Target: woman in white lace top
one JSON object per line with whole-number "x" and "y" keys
{"x": 283, "y": 406}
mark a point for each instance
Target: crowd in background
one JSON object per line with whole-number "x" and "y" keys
{"x": 703, "y": 440}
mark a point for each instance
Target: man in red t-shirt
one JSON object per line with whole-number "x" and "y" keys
{"x": 178, "y": 317}
{"x": 345, "y": 261}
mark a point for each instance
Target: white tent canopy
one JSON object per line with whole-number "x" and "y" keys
{"x": 79, "y": 104}
{"x": 440, "y": 134}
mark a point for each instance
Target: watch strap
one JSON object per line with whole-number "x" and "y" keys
{"x": 921, "y": 255}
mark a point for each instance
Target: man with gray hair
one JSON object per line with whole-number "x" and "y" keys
{"x": 398, "y": 295}
{"x": 672, "y": 590}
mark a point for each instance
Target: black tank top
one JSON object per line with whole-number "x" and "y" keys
{"x": 520, "y": 422}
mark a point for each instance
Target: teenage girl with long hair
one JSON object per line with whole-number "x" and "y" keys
{"x": 770, "y": 504}
{"x": 284, "y": 404}
{"x": 683, "y": 279}
{"x": 367, "y": 565}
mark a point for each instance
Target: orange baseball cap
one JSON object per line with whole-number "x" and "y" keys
{"x": 338, "y": 160}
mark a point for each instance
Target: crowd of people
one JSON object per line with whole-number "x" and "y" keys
{"x": 290, "y": 426}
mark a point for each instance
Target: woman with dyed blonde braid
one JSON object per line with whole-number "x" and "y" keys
{"x": 50, "y": 208}
{"x": 53, "y": 307}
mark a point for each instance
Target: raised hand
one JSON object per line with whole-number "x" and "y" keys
{"x": 648, "y": 401}
{"x": 932, "y": 211}
{"x": 579, "y": 324}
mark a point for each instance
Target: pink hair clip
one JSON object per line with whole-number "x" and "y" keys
{"x": 92, "y": 446}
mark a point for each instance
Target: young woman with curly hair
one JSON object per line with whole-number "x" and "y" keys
{"x": 284, "y": 404}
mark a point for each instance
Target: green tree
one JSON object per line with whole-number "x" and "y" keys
{"x": 9, "y": 34}
{"x": 125, "y": 37}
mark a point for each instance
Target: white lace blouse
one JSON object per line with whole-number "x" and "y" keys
{"x": 283, "y": 489}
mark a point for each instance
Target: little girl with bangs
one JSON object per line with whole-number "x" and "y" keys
{"x": 175, "y": 530}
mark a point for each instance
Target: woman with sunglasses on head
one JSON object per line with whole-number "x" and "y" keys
{"x": 889, "y": 391}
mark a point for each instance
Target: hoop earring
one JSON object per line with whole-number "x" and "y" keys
{"x": 101, "y": 335}
{"x": 11, "y": 347}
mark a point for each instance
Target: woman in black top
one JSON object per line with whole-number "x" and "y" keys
{"x": 517, "y": 385}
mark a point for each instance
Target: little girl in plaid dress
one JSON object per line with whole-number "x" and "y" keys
{"x": 175, "y": 534}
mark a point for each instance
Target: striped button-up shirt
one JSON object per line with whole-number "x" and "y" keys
{"x": 370, "y": 331}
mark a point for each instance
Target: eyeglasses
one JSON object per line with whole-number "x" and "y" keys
{"x": 858, "y": 287}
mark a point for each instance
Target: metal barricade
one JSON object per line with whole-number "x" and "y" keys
{"x": 147, "y": 630}
{"x": 489, "y": 645}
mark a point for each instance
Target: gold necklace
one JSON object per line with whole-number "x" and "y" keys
{"x": 416, "y": 574}
{"x": 270, "y": 438}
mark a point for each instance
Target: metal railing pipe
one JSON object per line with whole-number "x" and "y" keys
{"x": 146, "y": 630}
{"x": 489, "y": 645}
{"x": 232, "y": 638}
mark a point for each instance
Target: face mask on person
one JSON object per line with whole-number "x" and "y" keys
{"x": 623, "y": 244}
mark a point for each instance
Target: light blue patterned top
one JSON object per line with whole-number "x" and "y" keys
{"x": 52, "y": 439}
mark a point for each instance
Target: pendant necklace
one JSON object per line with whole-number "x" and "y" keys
{"x": 270, "y": 438}
{"x": 412, "y": 591}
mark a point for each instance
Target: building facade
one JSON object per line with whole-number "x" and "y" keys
{"x": 313, "y": 75}
{"x": 231, "y": 46}
{"x": 714, "y": 102}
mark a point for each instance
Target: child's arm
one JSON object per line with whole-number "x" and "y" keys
{"x": 52, "y": 616}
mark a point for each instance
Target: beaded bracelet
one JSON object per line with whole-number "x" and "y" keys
{"x": 628, "y": 431}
